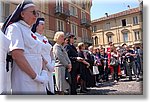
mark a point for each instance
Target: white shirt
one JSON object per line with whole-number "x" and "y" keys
{"x": 20, "y": 35}
{"x": 47, "y": 54}
{"x": 47, "y": 50}
{"x": 4, "y": 47}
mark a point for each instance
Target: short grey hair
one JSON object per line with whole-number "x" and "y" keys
{"x": 57, "y": 35}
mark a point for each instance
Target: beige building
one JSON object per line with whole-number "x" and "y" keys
{"x": 119, "y": 28}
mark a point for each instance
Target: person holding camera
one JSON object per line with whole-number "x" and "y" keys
{"x": 130, "y": 61}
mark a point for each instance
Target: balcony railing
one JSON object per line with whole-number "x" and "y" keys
{"x": 62, "y": 12}
{"x": 85, "y": 22}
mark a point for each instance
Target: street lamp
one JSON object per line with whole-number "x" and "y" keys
{"x": 106, "y": 14}
{"x": 128, "y": 6}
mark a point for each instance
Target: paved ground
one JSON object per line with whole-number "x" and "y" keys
{"x": 123, "y": 87}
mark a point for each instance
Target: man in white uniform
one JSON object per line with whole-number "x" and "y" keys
{"x": 38, "y": 29}
{"x": 3, "y": 53}
{"x": 27, "y": 74}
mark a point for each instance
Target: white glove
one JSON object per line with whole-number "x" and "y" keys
{"x": 53, "y": 62}
{"x": 51, "y": 66}
{"x": 43, "y": 78}
{"x": 44, "y": 73}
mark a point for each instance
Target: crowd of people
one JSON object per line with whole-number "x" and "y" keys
{"x": 37, "y": 67}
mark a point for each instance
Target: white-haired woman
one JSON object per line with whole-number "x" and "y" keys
{"x": 62, "y": 62}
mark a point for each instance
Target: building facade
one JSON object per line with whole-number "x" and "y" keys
{"x": 70, "y": 16}
{"x": 119, "y": 28}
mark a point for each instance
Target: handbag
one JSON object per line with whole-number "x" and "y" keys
{"x": 95, "y": 70}
{"x": 68, "y": 76}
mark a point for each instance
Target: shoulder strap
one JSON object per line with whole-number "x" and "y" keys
{"x": 8, "y": 60}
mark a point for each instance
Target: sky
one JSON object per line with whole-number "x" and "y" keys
{"x": 100, "y": 7}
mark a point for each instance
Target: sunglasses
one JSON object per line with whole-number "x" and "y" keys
{"x": 35, "y": 13}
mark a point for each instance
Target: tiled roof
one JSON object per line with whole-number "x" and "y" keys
{"x": 130, "y": 11}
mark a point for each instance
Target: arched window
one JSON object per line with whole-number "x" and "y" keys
{"x": 109, "y": 37}
{"x": 92, "y": 40}
{"x": 96, "y": 40}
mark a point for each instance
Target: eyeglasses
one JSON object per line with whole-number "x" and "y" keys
{"x": 35, "y": 13}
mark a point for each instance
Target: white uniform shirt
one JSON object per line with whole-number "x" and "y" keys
{"x": 20, "y": 35}
{"x": 47, "y": 49}
{"x": 4, "y": 47}
{"x": 47, "y": 54}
